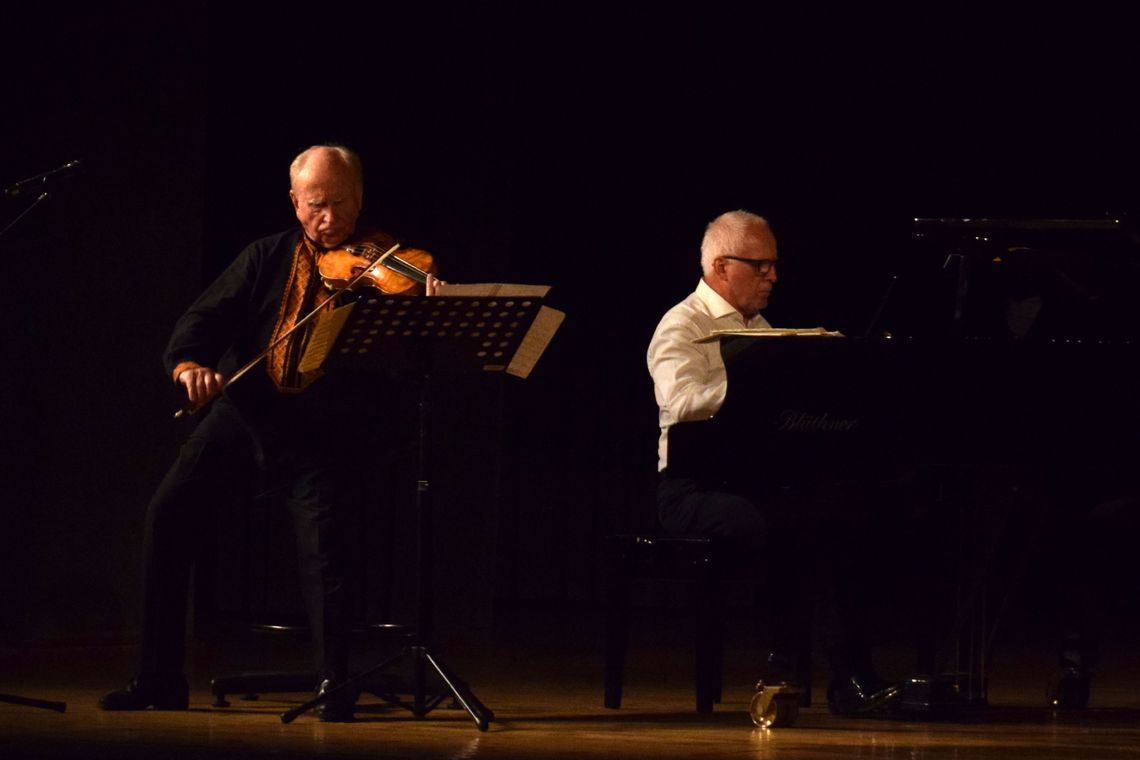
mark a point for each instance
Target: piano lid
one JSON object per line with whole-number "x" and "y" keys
{"x": 928, "y": 226}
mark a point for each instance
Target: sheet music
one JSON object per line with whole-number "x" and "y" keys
{"x": 541, "y": 331}
{"x": 493, "y": 289}
{"x": 771, "y": 332}
{"x": 535, "y": 341}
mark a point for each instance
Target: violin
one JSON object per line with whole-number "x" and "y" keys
{"x": 369, "y": 264}
{"x": 366, "y": 263}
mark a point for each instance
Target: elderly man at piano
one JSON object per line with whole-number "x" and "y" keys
{"x": 773, "y": 524}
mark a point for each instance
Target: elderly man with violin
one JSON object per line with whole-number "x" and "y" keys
{"x": 277, "y": 417}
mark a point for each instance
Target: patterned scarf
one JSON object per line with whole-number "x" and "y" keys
{"x": 302, "y": 289}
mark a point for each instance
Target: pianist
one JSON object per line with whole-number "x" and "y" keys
{"x": 773, "y": 526}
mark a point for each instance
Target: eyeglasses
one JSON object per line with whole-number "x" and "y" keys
{"x": 761, "y": 266}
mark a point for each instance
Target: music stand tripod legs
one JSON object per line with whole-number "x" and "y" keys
{"x": 418, "y": 653}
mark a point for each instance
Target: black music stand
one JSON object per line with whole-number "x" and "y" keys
{"x": 428, "y": 336}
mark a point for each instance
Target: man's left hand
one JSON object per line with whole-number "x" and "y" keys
{"x": 433, "y": 285}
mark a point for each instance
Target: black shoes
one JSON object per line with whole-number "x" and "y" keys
{"x": 861, "y": 695}
{"x": 1076, "y": 660}
{"x": 144, "y": 693}
{"x": 340, "y": 707}
{"x": 1070, "y": 690}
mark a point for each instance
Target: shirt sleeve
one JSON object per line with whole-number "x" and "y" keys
{"x": 687, "y": 385}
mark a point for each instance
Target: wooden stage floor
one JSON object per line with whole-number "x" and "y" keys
{"x": 543, "y": 681}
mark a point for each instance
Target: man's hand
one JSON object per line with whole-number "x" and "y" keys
{"x": 432, "y": 285}
{"x": 202, "y": 384}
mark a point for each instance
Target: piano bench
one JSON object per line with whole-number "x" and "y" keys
{"x": 694, "y": 559}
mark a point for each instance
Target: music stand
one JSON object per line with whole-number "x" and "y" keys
{"x": 498, "y": 328}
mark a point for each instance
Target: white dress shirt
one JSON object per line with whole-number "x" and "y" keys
{"x": 689, "y": 378}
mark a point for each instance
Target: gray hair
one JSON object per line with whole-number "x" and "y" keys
{"x": 726, "y": 234}
{"x": 347, "y": 156}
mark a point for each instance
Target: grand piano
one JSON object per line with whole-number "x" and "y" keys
{"x": 998, "y": 366}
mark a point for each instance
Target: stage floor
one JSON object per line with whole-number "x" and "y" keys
{"x": 542, "y": 676}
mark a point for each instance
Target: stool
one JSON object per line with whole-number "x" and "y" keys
{"x": 649, "y": 557}
{"x": 251, "y": 684}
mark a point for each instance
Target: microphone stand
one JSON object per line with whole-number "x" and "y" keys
{"x": 12, "y": 698}
{"x": 45, "y": 704}
{"x": 41, "y": 179}
{"x": 41, "y": 197}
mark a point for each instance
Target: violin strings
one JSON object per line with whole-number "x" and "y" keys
{"x": 394, "y": 263}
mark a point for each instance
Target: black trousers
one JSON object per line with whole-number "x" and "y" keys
{"x": 212, "y": 472}
{"x": 804, "y": 541}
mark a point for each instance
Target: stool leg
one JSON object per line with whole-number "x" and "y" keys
{"x": 617, "y": 632}
{"x": 709, "y": 643}
{"x": 718, "y": 649}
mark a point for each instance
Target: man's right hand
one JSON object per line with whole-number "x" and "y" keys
{"x": 202, "y": 384}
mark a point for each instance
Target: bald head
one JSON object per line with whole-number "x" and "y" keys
{"x": 730, "y": 233}
{"x": 327, "y": 188}
{"x": 738, "y": 259}
{"x": 323, "y": 157}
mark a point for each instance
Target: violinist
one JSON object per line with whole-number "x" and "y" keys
{"x": 275, "y": 419}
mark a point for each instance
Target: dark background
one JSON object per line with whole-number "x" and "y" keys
{"x": 583, "y": 146}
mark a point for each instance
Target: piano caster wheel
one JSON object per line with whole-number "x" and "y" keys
{"x": 775, "y": 706}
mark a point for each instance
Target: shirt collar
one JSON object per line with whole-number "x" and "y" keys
{"x": 715, "y": 303}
